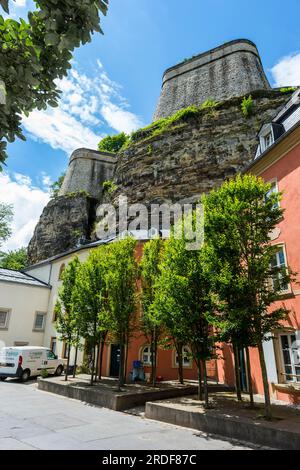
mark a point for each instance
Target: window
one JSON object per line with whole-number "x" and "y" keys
{"x": 53, "y": 345}
{"x": 61, "y": 271}
{"x": 278, "y": 262}
{"x": 290, "y": 350}
{"x": 50, "y": 355}
{"x": 146, "y": 355}
{"x": 273, "y": 190}
{"x": 39, "y": 323}
{"x": 4, "y": 319}
{"x": 186, "y": 357}
{"x": 268, "y": 140}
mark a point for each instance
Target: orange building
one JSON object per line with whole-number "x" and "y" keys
{"x": 140, "y": 350}
{"x": 278, "y": 161}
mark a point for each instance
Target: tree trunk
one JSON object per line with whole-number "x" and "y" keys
{"x": 264, "y": 374}
{"x": 125, "y": 362}
{"x": 180, "y": 365}
{"x": 97, "y": 360}
{"x": 249, "y": 378}
{"x": 154, "y": 358}
{"x": 75, "y": 362}
{"x": 200, "y": 392}
{"x": 68, "y": 362}
{"x": 101, "y": 356}
{"x": 121, "y": 367}
{"x": 237, "y": 372}
{"x": 93, "y": 365}
{"x": 205, "y": 385}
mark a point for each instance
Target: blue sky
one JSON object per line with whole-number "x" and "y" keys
{"x": 116, "y": 80}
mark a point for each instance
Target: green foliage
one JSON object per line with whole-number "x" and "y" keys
{"x": 15, "y": 259}
{"x": 56, "y": 186}
{"x": 109, "y": 187}
{"x": 120, "y": 269}
{"x": 160, "y": 126}
{"x": 89, "y": 302}
{"x": 289, "y": 89}
{"x": 66, "y": 314}
{"x": 209, "y": 104}
{"x": 113, "y": 143}
{"x": 149, "y": 272}
{"x": 44, "y": 373}
{"x": 6, "y": 215}
{"x": 182, "y": 297}
{"x": 247, "y": 106}
{"x": 239, "y": 218}
{"x": 35, "y": 53}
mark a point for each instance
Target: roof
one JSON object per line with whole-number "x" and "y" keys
{"x": 70, "y": 252}
{"x": 289, "y": 134}
{"x": 18, "y": 277}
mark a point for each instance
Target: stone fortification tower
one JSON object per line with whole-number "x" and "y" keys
{"x": 233, "y": 69}
{"x": 87, "y": 171}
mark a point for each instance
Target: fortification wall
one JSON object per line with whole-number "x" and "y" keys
{"x": 233, "y": 69}
{"x": 87, "y": 171}
{"x": 196, "y": 154}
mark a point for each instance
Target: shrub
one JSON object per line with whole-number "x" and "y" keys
{"x": 113, "y": 143}
{"x": 44, "y": 373}
{"x": 109, "y": 187}
{"x": 247, "y": 106}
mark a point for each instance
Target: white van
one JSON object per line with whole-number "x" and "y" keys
{"x": 28, "y": 361}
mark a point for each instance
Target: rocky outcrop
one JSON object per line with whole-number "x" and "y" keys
{"x": 65, "y": 222}
{"x": 196, "y": 154}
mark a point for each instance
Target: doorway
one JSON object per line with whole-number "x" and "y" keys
{"x": 114, "y": 360}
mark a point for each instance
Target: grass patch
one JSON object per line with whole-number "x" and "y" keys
{"x": 289, "y": 89}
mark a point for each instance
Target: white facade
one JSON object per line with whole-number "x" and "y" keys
{"x": 49, "y": 271}
{"x": 19, "y": 306}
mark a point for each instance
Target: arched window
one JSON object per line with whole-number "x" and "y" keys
{"x": 186, "y": 357}
{"x": 61, "y": 271}
{"x": 146, "y": 355}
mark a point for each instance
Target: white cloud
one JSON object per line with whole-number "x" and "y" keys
{"x": 28, "y": 203}
{"x": 85, "y": 106}
{"x": 59, "y": 129}
{"x": 20, "y": 3}
{"x": 287, "y": 71}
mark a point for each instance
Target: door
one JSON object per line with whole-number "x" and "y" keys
{"x": 51, "y": 361}
{"x": 114, "y": 360}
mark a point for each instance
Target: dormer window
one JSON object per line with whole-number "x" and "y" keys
{"x": 268, "y": 140}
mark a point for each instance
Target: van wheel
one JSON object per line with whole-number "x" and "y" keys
{"x": 59, "y": 370}
{"x": 3, "y": 378}
{"x": 25, "y": 375}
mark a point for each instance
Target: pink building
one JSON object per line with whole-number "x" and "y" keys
{"x": 278, "y": 161}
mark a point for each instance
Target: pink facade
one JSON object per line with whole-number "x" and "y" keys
{"x": 281, "y": 167}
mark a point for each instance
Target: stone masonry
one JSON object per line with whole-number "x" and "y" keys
{"x": 233, "y": 69}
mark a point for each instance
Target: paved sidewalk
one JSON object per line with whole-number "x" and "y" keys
{"x": 31, "y": 419}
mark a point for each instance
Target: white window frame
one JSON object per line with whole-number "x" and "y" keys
{"x": 7, "y": 311}
{"x": 268, "y": 131}
{"x": 188, "y": 364}
{"x": 148, "y": 354}
{"x": 294, "y": 364}
{"x": 288, "y": 290}
{"x": 44, "y": 314}
{"x": 274, "y": 188}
